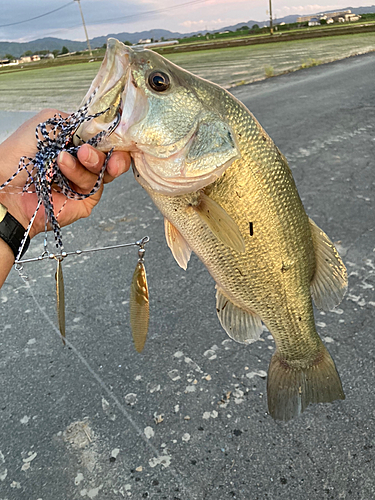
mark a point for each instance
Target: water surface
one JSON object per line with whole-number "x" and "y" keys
{"x": 64, "y": 87}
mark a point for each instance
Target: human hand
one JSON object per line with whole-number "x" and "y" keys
{"x": 82, "y": 174}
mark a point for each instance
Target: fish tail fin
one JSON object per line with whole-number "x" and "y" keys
{"x": 291, "y": 387}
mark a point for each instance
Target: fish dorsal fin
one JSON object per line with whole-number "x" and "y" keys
{"x": 220, "y": 223}
{"x": 330, "y": 280}
{"x": 242, "y": 326}
{"x": 179, "y": 248}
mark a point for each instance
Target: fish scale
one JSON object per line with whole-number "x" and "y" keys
{"x": 228, "y": 195}
{"x": 254, "y": 267}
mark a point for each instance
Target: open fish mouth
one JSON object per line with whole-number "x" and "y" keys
{"x": 131, "y": 106}
{"x": 113, "y": 98}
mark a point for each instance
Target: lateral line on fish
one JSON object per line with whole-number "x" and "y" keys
{"x": 270, "y": 215}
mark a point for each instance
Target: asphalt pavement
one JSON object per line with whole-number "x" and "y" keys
{"x": 187, "y": 418}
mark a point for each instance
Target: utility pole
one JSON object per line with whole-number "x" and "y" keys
{"x": 84, "y": 26}
{"x": 271, "y": 25}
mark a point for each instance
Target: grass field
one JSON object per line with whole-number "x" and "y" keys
{"x": 63, "y": 87}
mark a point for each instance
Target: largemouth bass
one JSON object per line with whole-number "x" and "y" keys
{"x": 227, "y": 194}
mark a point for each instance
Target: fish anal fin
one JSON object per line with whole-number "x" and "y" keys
{"x": 330, "y": 281}
{"x": 220, "y": 223}
{"x": 242, "y": 326}
{"x": 176, "y": 242}
{"x": 291, "y": 387}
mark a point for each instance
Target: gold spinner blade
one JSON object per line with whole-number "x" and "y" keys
{"x": 60, "y": 294}
{"x": 139, "y": 304}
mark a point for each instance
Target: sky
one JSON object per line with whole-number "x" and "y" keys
{"x": 115, "y": 16}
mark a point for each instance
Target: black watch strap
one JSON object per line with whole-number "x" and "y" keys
{"x": 12, "y": 232}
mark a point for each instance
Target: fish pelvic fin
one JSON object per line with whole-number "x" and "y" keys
{"x": 330, "y": 281}
{"x": 291, "y": 387}
{"x": 220, "y": 222}
{"x": 176, "y": 242}
{"x": 242, "y": 326}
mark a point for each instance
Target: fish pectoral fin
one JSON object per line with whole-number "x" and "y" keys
{"x": 242, "y": 326}
{"x": 292, "y": 386}
{"x": 220, "y": 223}
{"x": 176, "y": 242}
{"x": 330, "y": 281}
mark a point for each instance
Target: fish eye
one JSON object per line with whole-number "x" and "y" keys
{"x": 159, "y": 81}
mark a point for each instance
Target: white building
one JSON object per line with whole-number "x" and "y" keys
{"x": 314, "y": 22}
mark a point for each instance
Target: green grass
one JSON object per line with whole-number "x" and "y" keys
{"x": 310, "y": 62}
{"x": 269, "y": 71}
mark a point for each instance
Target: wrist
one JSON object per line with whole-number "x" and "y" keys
{"x": 12, "y": 232}
{"x": 21, "y": 206}
{"x": 7, "y": 261}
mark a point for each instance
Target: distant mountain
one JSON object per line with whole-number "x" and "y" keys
{"x": 293, "y": 18}
{"x": 17, "y": 49}
{"x": 235, "y": 27}
{"x": 360, "y": 10}
{"x": 156, "y": 34}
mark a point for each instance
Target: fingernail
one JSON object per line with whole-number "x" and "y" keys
{"x": 67, "y": 160}
{"x": 92, "y": 158}
{"x": 120, "y": 166}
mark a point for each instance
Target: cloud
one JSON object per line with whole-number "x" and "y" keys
{"x": 306, "y": 9}
{"x": 233, "y": 3}
{"x": 212, "y": 22}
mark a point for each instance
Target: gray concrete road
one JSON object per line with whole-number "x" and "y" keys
{"x": 187, "y": 419}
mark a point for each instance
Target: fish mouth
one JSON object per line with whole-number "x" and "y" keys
{"x": 121, "y": 112}
{"x": 113, "y": 100}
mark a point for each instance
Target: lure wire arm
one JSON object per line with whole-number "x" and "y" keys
{"x": 58, "y": 134}
{"x": 45, "y": 255}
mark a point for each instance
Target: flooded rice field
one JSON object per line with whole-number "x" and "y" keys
{"x": 64, "y": 87}
{"x": 231, "y": 67}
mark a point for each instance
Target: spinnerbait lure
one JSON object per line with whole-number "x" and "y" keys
{"x": 53, "y": 136}
{"x": 44, "y": 176}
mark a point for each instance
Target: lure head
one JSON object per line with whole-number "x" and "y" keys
{"x": 172, "y": 122}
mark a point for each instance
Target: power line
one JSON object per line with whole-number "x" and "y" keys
{"x": 155, "y": 11}
{"x": 37, "y": 17}
{"x": 138, "y": 15}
